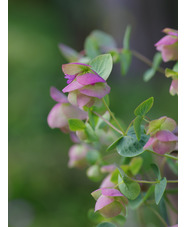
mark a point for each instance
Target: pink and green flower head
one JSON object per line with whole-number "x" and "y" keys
{"x": 162, "y": 142}
{"x": 62, "y": 111}
{"x": 162, "y": 123}
{"x": 168, "y": 45}
{"x": 85, "y": 86}
{"x": 110, "y": 202}
{"x": 77, "y": 156}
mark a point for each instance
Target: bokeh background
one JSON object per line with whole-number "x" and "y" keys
{"x": 43, "y": 192}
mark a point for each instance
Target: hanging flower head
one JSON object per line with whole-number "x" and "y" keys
{"x": 62, "y": 111}
{"x": 85, "y": 86}
{"x": 77, "y": 155}
{"x": 162, "y": 138}
{"x": 168, "y": 45}
{"x": 110, "y": 202}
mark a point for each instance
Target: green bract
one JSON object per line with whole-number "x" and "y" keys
{"x": 102, "y": 64}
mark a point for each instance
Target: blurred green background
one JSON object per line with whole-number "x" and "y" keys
{"x": 43, "y": 192}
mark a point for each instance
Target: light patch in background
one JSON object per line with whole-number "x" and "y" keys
{"x": 20, "y": 214}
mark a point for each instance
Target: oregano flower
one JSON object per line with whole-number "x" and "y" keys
{"x": 168, "y": 45}
{"x": 110, "y": 202}
{"x": 62, "y": 111}
{"x": 85, "y": 86}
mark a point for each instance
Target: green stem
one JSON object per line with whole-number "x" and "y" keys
{"x": 146, "y": 60}
{"x": 129, "y": 127}
{"x": 108, "y": 123}
{"x": 148, "y": 182}
{"x": 112, "y": 115}
{"x": 164, "y": 155}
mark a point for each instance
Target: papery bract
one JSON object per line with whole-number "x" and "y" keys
{"x": 62, "y": 111}
{"x": 162, "y": 142}
{"x": 174, "y": 87}
{"x": 168, "y": 45}
{"x": 162, "y": 123}
{"x": 110, "y": 202}
{"x": 85, "y": 86}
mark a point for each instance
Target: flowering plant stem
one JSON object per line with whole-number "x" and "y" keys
{"x": 164, "y": 155}
{"x": 108, "y": 123}
{"x": 146, "y": 60}
{"x": 112, "y": 115}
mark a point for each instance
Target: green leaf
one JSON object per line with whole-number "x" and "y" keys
{"x": 173, "y": 165}
{"x": 119, "y": 220}
{"x": 171, "y": 73}
{"x": 90, "y": 133}
{"x": 102, "y": 64}
{"x": 157, "y": 59}
{"x": 98, "y": 42}
{"x": 159, "y": 190}
{"x": 76, "y": 124}
{"x": 137, "y": 126}
{"x": 95, "y": 217}
{"x": 91, "y": 47}
{"x": 91, "y": 118}
{"x": 144, "y": 107}
{"x": 126, "y": 39}
{"x": 70, "y": 54}
{"x": 92, "y": 156}
{"x": 106, "y": 224}
{"x": 148, "y": 74}
{"x": 125, "y": 59}
{"x": 175, "y": 68}
{"x": 114, "y": 144}
{"x": 156, "y": 171}
{"x": 135, "y": 165}
{"x": 129, "y": 188}
{"x": 134, "y": 204}
{"x": 129, "y": 146}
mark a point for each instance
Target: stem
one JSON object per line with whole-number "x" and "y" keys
{"x": 129, "y": 126}
{"x": 146, "y": 60}
{"x": 112, "y": 115}
{"x": 108, "y": 123}
{"x": 148, "y": 182}
{"x": 164, "y": 155}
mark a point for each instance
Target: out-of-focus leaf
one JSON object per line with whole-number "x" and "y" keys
{"x": 76, "y": 124}
{"x": 126, "y": 39}
{"x": 156, "y": 171}
{"x": 135, "y": 165}
{"x": 125, "y": 59}
{"x": 70, "y": 54}
{"x": 106, "y": 224}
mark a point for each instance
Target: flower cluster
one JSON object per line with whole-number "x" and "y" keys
{"x": 109, "y": 202}
{"x": 85, "y": 86}
{"x": 106, "y": 148}
{"x": 162, "y": 139}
